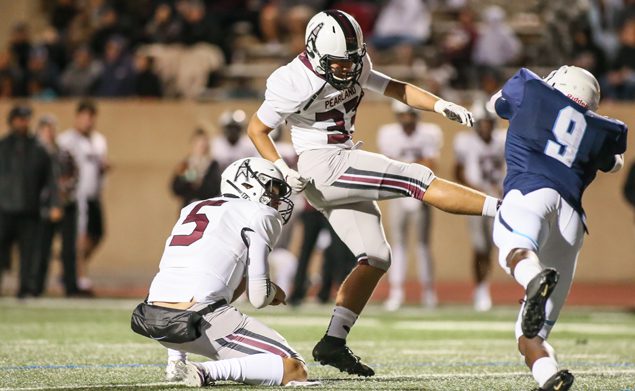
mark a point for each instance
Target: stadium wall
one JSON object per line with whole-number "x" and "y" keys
{"x": 147, "y": 139}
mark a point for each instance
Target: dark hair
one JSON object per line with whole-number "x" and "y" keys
{"x": 19, "y": 110}
{"x": 86, "y": 105}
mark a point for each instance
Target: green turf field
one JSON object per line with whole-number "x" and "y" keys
{"x": 87, "y": 344}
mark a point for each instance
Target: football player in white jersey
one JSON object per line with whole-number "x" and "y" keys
{"x": 232, "y": 144}
{"x": 218, "y": 247}
{"x": 480, "y": 164}
{"x": 410, "y": 141}
{"x": 317, "y": 94}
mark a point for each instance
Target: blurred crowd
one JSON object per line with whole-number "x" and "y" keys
{"x": 187, "y": 48}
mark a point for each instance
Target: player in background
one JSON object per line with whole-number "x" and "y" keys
{"x": 410, "y": 141}
{"x": 318, "y": 93}
{"x": 480, "y": 164}
{"x": 232, "y": 144}
{"x": 218, "y": 247}
{"x": 555, "y": 145}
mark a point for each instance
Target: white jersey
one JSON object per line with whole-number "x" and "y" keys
{"x": 206, "y": 255}
{"x": 89, "y": 153}
{"x": 424, "y": 143}
{"x": 225, "y": 153}
{"x": 484, "y": 164}
{"x": 320, "y": 115}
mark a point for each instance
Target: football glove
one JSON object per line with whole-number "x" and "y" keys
{"x": 454, "y": 112}
{"x": 292, "y": 177}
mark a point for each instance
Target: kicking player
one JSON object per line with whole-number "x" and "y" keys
{"x": 318, "y": 93}
{"x": 555, "y": 145}
{"x": 410, "y": 141}
{"x": 218, "y": 247}
{"x": 480, "y": 164}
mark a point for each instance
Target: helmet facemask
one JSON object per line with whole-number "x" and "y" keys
{"x": 344, "y": 79}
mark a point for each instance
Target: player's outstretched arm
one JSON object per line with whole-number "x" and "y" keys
{"x": 423, "y": 100}
{"x": 454, "y": 198}
{"x": 259, "y": 134}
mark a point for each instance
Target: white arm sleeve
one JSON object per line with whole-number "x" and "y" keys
{"x": 260, "y": 240}
{"x": 371, "y": 79}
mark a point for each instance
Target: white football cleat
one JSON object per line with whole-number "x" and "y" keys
{"x": 393, "y": 303}
{"x": 196, "y": 376}
{"x": 482, "y": 298}
{"x": 175, "y": 370}
{"x": 429, "y": 300}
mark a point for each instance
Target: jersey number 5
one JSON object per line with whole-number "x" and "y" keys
{"x": 201, "y": 221}
{"x": 568, "y": 129}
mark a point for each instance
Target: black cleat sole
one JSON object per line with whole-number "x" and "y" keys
{"x": 538, "y": 292}
{"x": 561, "y": 381}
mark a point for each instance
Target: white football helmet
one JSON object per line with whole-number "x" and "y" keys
{"x": 577, "y": 84}
{"x": 334, "y": 35}
{"x": 258, "y": 180}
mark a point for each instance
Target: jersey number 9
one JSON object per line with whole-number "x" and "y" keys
{"x": 568, "y": 129}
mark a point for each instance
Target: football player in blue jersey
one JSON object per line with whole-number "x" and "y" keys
{"x": 555, "y": 145}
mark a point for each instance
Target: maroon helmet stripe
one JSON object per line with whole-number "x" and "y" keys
{"x": 347, "y": 27}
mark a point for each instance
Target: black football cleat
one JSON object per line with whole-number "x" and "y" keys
{"x": 340, "y": 357}
{"x": 538, "y": 291}
{"x": 561, "y": 381}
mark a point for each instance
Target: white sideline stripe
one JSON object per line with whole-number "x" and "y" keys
{"x": 578, "y": 328}
{"x": 463, "y": 375}
{"x": 138, "y": 385}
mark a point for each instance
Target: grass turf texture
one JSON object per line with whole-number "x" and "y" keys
{"x": 88, "y": 344}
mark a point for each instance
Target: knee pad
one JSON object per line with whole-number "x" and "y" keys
{"x": 421, "y": 176}
{"x": 382, "y": 263}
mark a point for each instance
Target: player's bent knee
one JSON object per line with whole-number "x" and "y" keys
{"x": 421, "y": 174}
{"x": 516, "y": 255}
{"x": 294, "y": 370}
{"x": 381, "y": 263}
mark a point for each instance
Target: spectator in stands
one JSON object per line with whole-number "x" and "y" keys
{"x": 55, "y": 48}
{"x": 81, "y": 75}
{"x": 89, "y": 149}
{"x": 147, "y": 82}
{"x": 62, "y": 15}
{"x": 497, "y": 44}
{"x": 198, "y": 26}
{"x": 79, "y": 31}
{"x": 60, "y": 220}
{"x": 164, "y": 27}
{"x": 619, "y": 83}
{"x": 604, "y": 18}
{"x": 629, "y": 187}
{"x": 42, "y": 76}
{"x": 458, "y": 45}
{"x": 25, "y": 171}
{"x": 20, "y": 44}
{"x": 10, "y": 76}
{"x": 402, "y": 25}
{"x": 585, "y": 53}
{"x": 197, "y": 177}
{"x": 107, "y": 28}
{"x": 233, "y": 144}
{"x": 117, "y": 77}
{"x": 285, "y": 20}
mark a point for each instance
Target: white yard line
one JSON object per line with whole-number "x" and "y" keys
{"x": 465, "y": 375}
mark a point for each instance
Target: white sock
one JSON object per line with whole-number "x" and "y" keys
{"x": 342, "y": 322}
{"x": 543, "y": 369}
{"x": 259, "y": 369}
{"x": 525, "y": 270}
{"x": 176, "y": 355}
{"x": 489, "y": 206}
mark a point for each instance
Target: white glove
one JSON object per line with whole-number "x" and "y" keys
{"x": 292, "y": 177}
{"x": 454, "y": 112}
{"x": 619, "y": 163}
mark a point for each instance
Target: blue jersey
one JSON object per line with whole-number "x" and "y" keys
{"x": 553, "y": 142}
